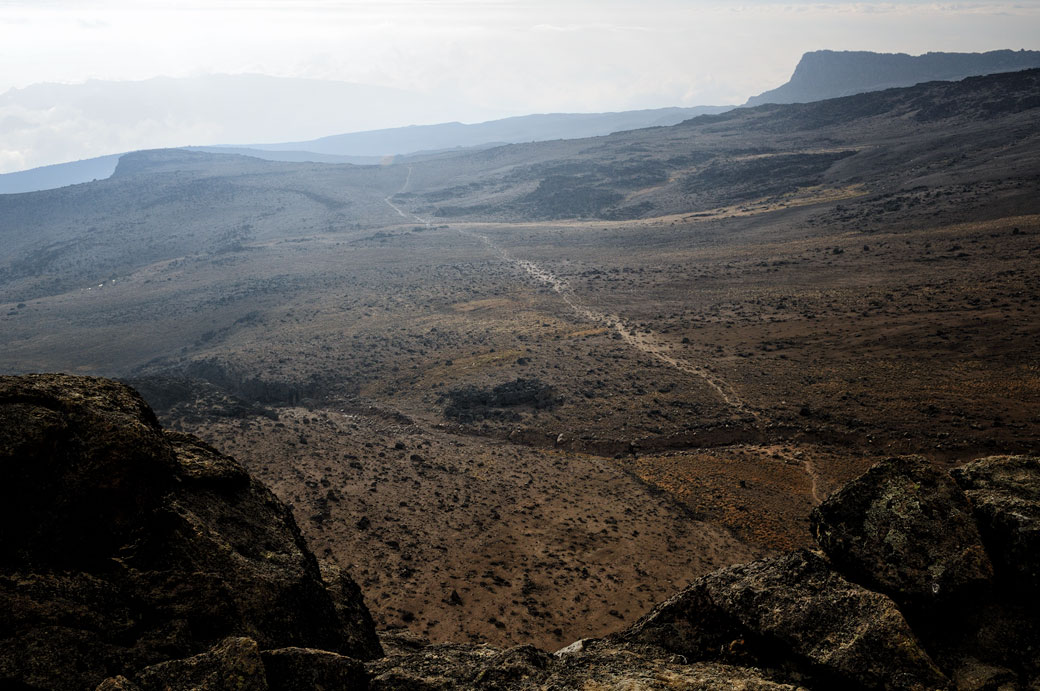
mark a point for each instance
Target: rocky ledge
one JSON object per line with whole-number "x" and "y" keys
{"x": 137, "y": 558}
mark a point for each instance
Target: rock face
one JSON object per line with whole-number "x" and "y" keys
{"x": 797, "y": 611}
{"x": 906, "y": 529}
{"x": 826, "y": 74}
{"x": 1004, "y": 492}
{"x": 234, "y": 664}
{"x": 125, "y": 546}
{"x": 135, "y": 559}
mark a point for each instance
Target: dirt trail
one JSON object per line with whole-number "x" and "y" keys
{"x": 404, "y": 188}
{"x": 642, "y": 340}
{"x": 814, "y": 482}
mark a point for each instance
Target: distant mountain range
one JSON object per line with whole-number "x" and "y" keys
{"x": 824, "y": 74}
{"x": 819, "y": 75}
{"x": 372, "y": 147}
{"x": 516, "y": 130}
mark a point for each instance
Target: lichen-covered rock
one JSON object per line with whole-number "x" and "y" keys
{"x": 463, "y": 667}
{"x": 248, "y": 567}
{"x": 792, "y": 610}
{"x": 602, "y": 665}
{"x": 233, "y": 664}
{"x": 125, "y": 545}
{"x": 906, "y": 529}
{"x": 598, "y": 665}
{"x": 1004, "y": 492}
{"x": 83, "y": 462}
{"x": 972, "y": 675}
{"x": 354, "y": 618}
{"x": 306, "y": 669}
{"x": 117, "y": 683}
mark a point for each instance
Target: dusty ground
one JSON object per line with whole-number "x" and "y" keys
{"x": 459, "y": 537}
{"x": 763, "y": 310}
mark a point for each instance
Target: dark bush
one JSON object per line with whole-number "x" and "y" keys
{"x": 471, "y": 403}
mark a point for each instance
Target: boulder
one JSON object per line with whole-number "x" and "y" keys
{"x": 233, "y": 664}
{"x": 463, "y": 667}
{"x": 354, "y": 618}
{"x": 306, "y": 669}
{"x": 792, "y": 611}
{"x": 1004, "y": 492}
{"x": 84, "y": 462}
{"x": 125, "y": 545}
{"x": 605, "y": 666}
{"x": 906, "y": 529}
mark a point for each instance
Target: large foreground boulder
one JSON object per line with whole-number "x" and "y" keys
{"x": 796, "y": 612}
{"x": 904, "y": 528}
{"x": 124, "y": 546}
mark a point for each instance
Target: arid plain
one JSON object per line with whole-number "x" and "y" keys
{"x": 522, "y": 394}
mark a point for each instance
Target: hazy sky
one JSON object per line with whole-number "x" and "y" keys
{"x": 506, "y": 56}
{"x": 512, "y": 55}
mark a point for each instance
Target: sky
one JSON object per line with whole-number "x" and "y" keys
{"x": 490, "y": 57}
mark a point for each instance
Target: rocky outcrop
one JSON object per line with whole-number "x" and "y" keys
{"x": 354, "y": 618}
{"x": 796, "y": 612}
{"x": 824, "y": 74}
{"x": 234, "y": 664}
{"x": 135, "y": 559}
{"x": 904, "y": 528}
{"x": 1005, "y": 495}
{"x": 125, "y": 546}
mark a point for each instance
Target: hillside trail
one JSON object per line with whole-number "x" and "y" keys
{"x": 814, "y": 482}
{"x": 642, "y": 340}
{"x": 395, "y": 207}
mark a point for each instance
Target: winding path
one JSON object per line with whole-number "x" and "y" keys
{"x": 644, "y": 341}
{"x": 395, "y": 207}
{"x": 814, "y": 481}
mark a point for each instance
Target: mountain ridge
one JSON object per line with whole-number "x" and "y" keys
{"x": 825, "y": 74}
{"x": 372, "y": 147}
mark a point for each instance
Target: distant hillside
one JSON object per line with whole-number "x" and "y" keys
{"x": 370, "y": 147}
{"x": 58, "y": 175}
{"x": 46, "y": 123}
{"x": 824, "y": 74}
{"x": 516, "y": 130}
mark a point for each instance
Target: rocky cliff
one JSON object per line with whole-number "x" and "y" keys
{"x": 136, "y": 558}
{"x": 824, "y": 74}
